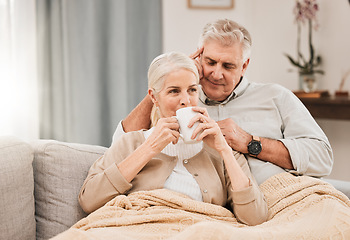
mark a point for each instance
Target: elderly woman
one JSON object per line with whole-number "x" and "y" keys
{"x": 207, "y": 171}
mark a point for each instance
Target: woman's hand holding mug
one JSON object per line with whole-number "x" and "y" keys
{"x": 165, "y": 132}
{"x": 193, "y": 125}
{"x": 208, "y": 130}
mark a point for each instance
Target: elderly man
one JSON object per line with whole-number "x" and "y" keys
{"x": 267, "y": 122}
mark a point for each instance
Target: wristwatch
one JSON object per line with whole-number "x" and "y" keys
{"x": 254, "y": 147}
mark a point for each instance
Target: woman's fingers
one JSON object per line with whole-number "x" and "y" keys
{"x": 204, "y": 129}
{"x": 201, "y": 110}
{"x": 170, "y": 123}
{"x": 176, "y": 136}
{"x": 166, "y": 131}
{"x": 199, "y": 118}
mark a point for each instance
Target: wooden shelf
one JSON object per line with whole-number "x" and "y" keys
{"x": 328, "y": 107}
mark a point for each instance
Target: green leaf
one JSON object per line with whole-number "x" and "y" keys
{"x": 295, "y": 63}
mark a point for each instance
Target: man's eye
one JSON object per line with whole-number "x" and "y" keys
{"x": 229, "y": 66}
{"x": 211, "y": 63}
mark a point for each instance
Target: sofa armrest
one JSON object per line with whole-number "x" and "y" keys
{"x": 60, "y": 169}
{"x": 16, "y": 190}
{"x": 343, "y": 186}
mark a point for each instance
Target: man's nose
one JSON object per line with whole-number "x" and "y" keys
{"x": 217, "y": 73}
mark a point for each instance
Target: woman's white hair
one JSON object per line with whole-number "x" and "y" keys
{"x": 227, "y": 32}
{"x": 161, "y": 67}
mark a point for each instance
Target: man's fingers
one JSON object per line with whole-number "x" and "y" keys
{"x": 197, "y": 53}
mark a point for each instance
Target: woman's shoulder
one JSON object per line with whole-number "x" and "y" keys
{"x": 130, "y": 140}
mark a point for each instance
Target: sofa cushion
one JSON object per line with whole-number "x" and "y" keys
{"x": 16, "y": 190}
{"x": 60, "y": 170}
{"x": 343, "y": 186}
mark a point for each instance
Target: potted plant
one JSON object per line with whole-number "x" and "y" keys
{"x": 305, "y": 12}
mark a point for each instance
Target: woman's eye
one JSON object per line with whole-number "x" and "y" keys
{"x": 173, "y": 91}
{"x": 193, "y": 89}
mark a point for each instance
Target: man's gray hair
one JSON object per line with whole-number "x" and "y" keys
{"x": 227, "y": 32}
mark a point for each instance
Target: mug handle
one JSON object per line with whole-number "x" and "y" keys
{"x": 181, "y": 136}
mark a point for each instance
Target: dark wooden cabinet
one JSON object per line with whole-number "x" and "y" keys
{"x": 328, "y": 107}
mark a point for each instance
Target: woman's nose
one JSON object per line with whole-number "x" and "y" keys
{"x": 185, "y": 99}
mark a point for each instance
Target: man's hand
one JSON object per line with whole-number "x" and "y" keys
{"x": 196, "y": 58}
{"x": 273, "y": 151}
{"x": 235, "y": 136}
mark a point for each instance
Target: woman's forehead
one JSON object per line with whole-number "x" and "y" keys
{"x": 180, "y": 78}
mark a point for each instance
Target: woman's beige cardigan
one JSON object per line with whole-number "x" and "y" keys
{"x": 104, "y": 180}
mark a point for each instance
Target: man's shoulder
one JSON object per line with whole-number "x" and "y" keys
{"x": 268, "y": 86}
{"x": 268, "y": 89}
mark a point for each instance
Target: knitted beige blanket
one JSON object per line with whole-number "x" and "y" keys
{"x": 299, "y": 208}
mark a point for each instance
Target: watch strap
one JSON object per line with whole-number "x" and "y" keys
{"x": 256, "y": 138}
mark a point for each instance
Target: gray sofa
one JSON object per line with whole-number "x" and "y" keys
{"x": 39, "y": 185}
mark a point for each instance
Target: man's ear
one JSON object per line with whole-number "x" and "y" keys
{"x": 245, "y": 66}
{"x": 152, "y": 95}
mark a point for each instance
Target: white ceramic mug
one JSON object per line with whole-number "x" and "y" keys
{"x": 183, "y": 116}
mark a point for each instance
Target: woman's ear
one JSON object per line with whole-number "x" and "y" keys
{"x": 152, "y": 95}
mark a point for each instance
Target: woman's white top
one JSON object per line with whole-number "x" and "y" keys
{"x": 180, "y": 180}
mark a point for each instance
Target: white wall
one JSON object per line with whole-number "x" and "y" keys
{"x": 271, "y": 24}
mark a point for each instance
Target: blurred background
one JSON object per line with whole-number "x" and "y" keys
{"x": 70, "y": 70}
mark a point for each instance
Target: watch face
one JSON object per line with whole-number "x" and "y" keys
{"x": 254, "y": 147}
